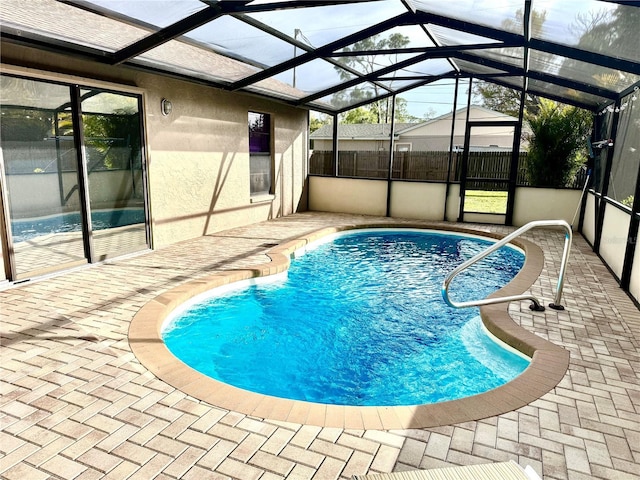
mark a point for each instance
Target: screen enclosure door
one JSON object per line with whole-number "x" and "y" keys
{"x": 487, "y": 180}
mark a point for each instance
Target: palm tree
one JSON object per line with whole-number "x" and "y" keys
{"x": 557, "y": 145}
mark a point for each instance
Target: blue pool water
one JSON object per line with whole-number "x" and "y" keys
{"x": 27, "y": 229}
{"x": 358, "y": 320}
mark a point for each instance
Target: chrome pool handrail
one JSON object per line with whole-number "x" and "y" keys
{"x": 536, "y": 306}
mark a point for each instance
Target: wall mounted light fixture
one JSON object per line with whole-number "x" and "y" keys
{"x": 165, "y": 107}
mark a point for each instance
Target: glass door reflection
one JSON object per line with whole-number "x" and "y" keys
{"x": 113, "y": 149}
{"x": 40, "y": 163}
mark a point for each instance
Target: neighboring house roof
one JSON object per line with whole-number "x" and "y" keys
{"x": 380, "y": 131}
{"x": 361, "y": 131}
{"x": 461, "y": 113}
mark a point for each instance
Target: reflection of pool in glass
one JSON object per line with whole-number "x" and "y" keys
{"x": 357, "y": 321}
{"x": 28, "y": 228}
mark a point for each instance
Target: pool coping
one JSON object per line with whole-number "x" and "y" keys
{"x": 548, "y": 366}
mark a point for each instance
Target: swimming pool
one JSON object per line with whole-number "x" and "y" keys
{"x": 368, "y": 305}
{"x": 28, "y": 228}
{"x": 548, "y": 366}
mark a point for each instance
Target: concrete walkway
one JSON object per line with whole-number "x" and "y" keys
{"x": 76, "y": 403}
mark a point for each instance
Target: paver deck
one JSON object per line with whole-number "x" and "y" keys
{"x": 76, "y": 402}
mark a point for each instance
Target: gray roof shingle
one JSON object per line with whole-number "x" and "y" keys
{"x": 361, "y": 130}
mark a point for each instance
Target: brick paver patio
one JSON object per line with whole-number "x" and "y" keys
{"x": 76, "y": 403}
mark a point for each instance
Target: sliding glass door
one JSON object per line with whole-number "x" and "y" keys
{"x": 113, "y": 150}
{"x": 73, "y": 184}
{"x": 41, "y": 174}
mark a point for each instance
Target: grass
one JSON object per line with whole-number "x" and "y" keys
{"x": 484, "y": 201}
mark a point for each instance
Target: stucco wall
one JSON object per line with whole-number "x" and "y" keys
{"x": 417, "y": 200}
{"x": 490, "y": 218}
{"x": 453, "y": 203}
{"x": 613, "y": 243}
{"x": 3, "y": 275}
{"x": 348, "y": 195}
{"x": 545, "y": 204}
{"x": 424, "y": 201}
{"x": 589, "y": 223}
{"x": 198, "y": 160}
{"x": 634, "y": 285}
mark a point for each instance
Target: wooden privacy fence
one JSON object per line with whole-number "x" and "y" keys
{"x": 426, "y": 166}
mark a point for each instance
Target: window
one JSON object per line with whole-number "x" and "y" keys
{"x": 260, "y": 164}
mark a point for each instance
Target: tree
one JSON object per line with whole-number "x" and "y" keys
{"x": 607, "y": 32}
{"x": 503, "y": 99}
{"x": 358, "y": 115}
{"x": 113, "y": 137}
{"x": 402, "y": 112}
{"x": 317, "y": 122}
{"x": 366, "y": 64}
{"x": 557, "y": 144}
{"x": 368, "y": 114}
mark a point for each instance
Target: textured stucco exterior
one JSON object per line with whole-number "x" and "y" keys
{"x": 542, "y": 203}
{"x": 426, "y": 201}
{"x": 589, "y": 222}
{"x": 199, "y": 162}
{"x": 417, "y": 200}
{"x": 613, "y": 243}
{"x": 348, "y": 195}
{"x": 634, "y": 284}
{"x": 198, "y": 156}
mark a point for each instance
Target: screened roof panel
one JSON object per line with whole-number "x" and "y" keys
{"x": 232, "y": 37}
{"x": 450, "y": 36}
{"x": 584, "y": 46}
{"x": 157, "y": 13}
{"x": 398, "y": 37}
{"x": 353, "y": 96}
{"x": 568, "y": 93}
{"x": 191, "y": 60}
{"x": 594, "y": 26}
{"x": 312, "y": 77}
{"x": 328, "y": 23}
{"x": 506, "y": 15}
{"x": 394, "y": 85}
{"x": 425, "y": 68}
{"x": 515, "y": 82}
{"x": 510, "y": 55}
{"x": 573, "y": 69}
{"x": 272, "y": 87}
{"x": 79, "y": 27}
{"x": 366, "y": 64}
{"x": 477, "y": 68}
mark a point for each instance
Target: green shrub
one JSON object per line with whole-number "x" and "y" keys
{"x": 628, "y": 201}
{"x": 557, "y": 145}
